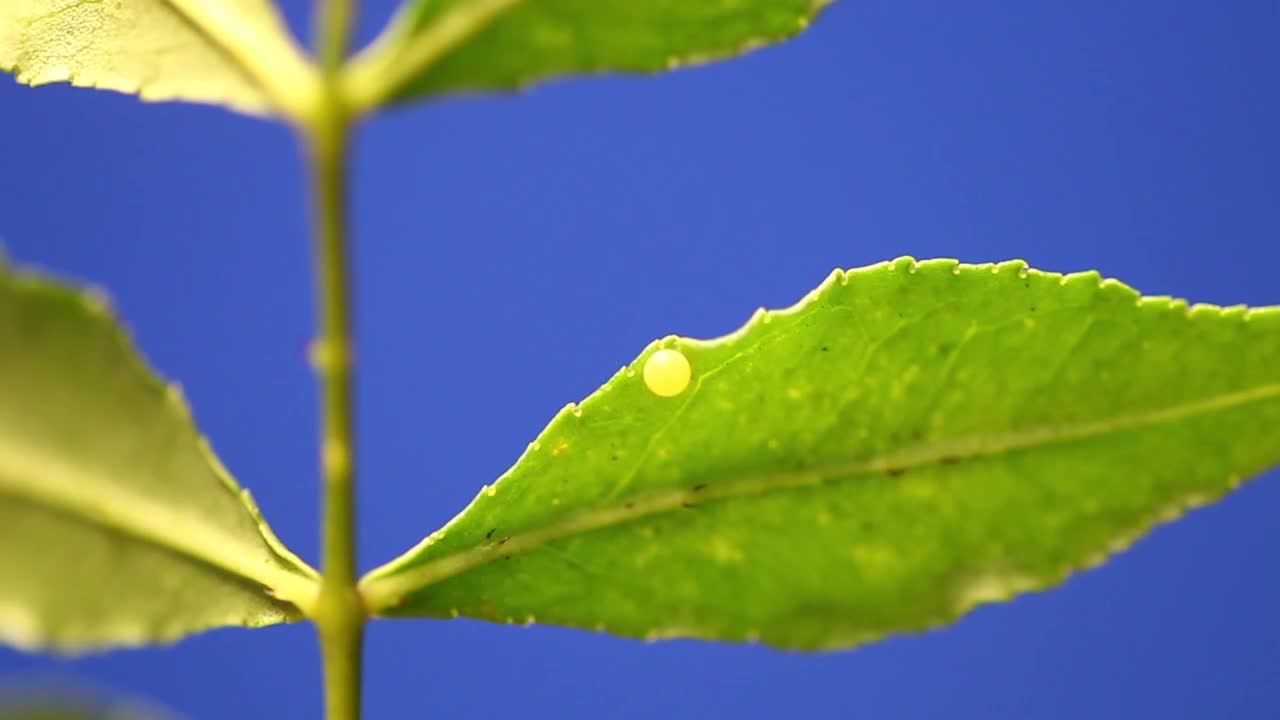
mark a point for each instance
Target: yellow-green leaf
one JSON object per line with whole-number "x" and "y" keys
{"x": 442, "y": 46}
{"x": 118, "y": 526}
{"x": 61, "y": 701}
{"x": 908, "y": 441}
{"x": 236, "y": 53}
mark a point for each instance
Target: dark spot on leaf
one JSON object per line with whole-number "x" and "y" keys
{"x": 948, "y": 459}
{"x": 628, "y": 505}
{"x": 826, "y": 349}
{"x": 699, "y": 487}
{"x": 489, "y": 534}
{"x": 894, "y": 472}
{"x": 687, "y": 504}
{"x": 504, "y": 540}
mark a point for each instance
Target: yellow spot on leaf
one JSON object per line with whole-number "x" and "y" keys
{"x": 725, "y": 551}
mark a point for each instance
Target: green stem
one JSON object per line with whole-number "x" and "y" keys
{"x": 339, "y": 614}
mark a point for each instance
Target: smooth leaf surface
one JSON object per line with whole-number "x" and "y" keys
{"x": 230, "y": 52}
{"x": 908, "y": 441}
{"x": 442, "y": 46}
{"x": 117, "y": 524}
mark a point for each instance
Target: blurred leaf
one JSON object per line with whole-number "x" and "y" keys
{"x": 908, "y": 441}
{"x": 56, "y": 710}
{"x": 117, "y": 524}
{"x": 440, "y": 46}
{"x": 60, "y": 701}
{"x": 231, "y": 52}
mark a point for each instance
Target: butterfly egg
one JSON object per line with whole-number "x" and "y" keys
{"x": 667, "y": 373}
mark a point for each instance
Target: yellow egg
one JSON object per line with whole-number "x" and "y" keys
{"x": 667, "y": 373}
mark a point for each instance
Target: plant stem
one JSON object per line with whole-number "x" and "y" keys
{"x": 339, "y": 614}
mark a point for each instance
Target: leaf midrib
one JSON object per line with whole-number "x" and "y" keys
{"x": 272, "y": 61}
{"x": 223, "y": 44}
{"x": 269, "y": 61}
{"x": 384, "y": 69}
{"x": 387, "y": 586}
{"x": 45, "y": 480}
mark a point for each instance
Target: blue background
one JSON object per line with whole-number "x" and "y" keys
{"x": 514, "y": 251}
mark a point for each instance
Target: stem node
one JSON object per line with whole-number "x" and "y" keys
{"x": 339, "y": 613}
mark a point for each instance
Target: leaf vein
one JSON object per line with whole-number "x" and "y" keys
{"x": 54, "y": 485}
{"x": 384, "y": 591}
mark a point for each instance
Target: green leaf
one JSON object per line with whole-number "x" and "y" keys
{"x": 56, "y": 709}
{"x": 63, "y": 702}
{"x": 231, "y": 52}
{"x": 117, "y": 524}
{"x": 908, "y": 441}
{"x": 441, "y": 46}
{"x": 61, "y": 711}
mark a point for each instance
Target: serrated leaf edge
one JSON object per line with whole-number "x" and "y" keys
{"x": 391, "y": 584}
{"x": 401, "y": 53}
{"x": 268, "y": 58}
{"x": 288, "y": 579}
